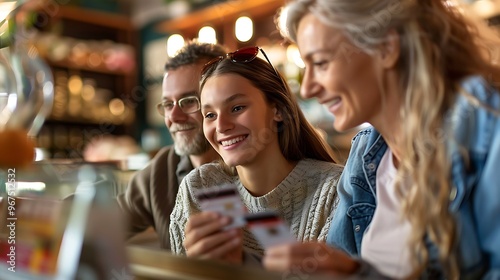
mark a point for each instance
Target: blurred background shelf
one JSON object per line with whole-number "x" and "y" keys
{"x": 99, "y": 69}
{"x": 98, "y": 18}
{"x": 221, "y": 16}
{"x": 93, "y": 55}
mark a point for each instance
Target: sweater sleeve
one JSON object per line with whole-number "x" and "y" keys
{"x": 205, "y": 176}
{"x": 178, "y": 220}
{"x": 135, "y": 202}
{"x": 184, "y": 207}
{"x": 325, "y": 201}
{"x": 329, "y": 201}
{"x": 150, "y": 196}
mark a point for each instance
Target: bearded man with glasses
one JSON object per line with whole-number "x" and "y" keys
{"x": 150, "y": 196}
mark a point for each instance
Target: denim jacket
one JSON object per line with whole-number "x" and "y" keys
{"x": 475, "y": 197}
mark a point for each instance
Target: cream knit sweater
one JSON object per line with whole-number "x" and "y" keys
{"x": 306, "y": 199}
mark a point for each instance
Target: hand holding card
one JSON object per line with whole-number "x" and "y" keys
{"x": 268, "y": 227}
{"x": 224, "y": 200}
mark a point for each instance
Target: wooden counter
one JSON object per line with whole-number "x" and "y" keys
{"x": 146, "y": 263}
{"x": 157, "y": 264}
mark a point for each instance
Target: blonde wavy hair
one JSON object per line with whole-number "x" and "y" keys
{"x": 439, "y": 48}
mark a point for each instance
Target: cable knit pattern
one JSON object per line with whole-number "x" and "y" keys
{"x": 306, "y": 199}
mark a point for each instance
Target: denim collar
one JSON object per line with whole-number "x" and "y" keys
{"x": 372, "y": 157}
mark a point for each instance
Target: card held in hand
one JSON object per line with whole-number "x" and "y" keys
{"x": 269, "y": 229}
{"x": 225, "y": 200}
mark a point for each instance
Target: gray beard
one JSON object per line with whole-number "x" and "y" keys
{"x": 194, "y": 146}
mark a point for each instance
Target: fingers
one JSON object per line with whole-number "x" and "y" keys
{"x": 206, "y": 239}
{"x": 201, "y": 219}
{"x": 314, "y": 256}
{"x": 235, "y": 254}
{"x": 214, "y": 246}
{"x": 203, "y": 224}
{"x": 280, "y": 258}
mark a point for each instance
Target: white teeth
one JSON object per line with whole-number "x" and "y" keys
{"x": 232, "y": 141}
{"x": 179, "y": 127}
{"x": 333, "y": 102}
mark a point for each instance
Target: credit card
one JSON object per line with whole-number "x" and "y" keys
{"x": 225, "y": 200}
{"x": 269, "y": 229}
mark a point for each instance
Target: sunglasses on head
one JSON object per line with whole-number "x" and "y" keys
{"x": 243, "y": 55}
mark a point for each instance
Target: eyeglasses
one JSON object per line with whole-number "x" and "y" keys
{"x": 243, "y": 55}
{"x": 188, "y": 105}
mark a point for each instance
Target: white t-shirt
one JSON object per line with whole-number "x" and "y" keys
{"x": 385, "y": 241}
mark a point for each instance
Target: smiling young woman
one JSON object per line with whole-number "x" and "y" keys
{"x": 270, "y": 152}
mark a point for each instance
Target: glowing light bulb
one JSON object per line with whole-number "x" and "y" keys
{"x": 207, "y": 34}
{"x": 243, "y": 29}
{"x": 174, "y": 44}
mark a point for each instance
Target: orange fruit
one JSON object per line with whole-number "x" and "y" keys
{"x": 16, "y": 148}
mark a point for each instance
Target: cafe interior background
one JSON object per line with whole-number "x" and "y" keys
{"x": 103, "y": 61}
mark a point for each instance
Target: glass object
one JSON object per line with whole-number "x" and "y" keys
{"x": 8, "y": 90}
{"x": 188, "y": 105}
{"x": 26, "y": 79}
{"x": 243, "y": 55}
{"x": 26, "y": 92}
{"x": 243, "y": 29}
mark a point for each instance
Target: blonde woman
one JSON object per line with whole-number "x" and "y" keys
{"x": 419, "y": 196}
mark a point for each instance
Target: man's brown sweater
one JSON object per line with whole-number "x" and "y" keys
{"x": 150, "y": 195}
